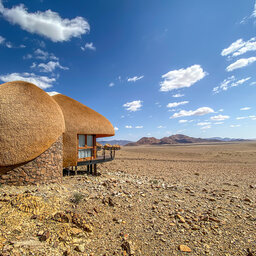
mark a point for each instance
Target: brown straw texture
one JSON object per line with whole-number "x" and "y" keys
{"x": 79, "y": 119}
{"x": 30, "y": 122}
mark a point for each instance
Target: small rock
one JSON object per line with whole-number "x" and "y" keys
{"x": 184, "y": 248}
{"x": 44, "y": 236}
{"x": 181, "y": 219}
{"x": 80, "y": 248}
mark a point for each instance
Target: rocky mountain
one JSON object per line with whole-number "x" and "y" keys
{"x": 145, "y": 141}
{"x": 174, "y": 139}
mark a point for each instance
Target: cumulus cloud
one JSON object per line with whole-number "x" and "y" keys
{"x": 181, "y": 78}
{"x": 219, "y": 123}
{"x": 198, "y": 112}
{"x": 183, "y": 121}
{"x": 219, "y": 118}
{"x": 88, "y": 46}
{"x": 176, "y": 104}
{"x": 111, "y": 84}
{"x": 48, "y": 67}
{"x": 116, "y": 128}
{"x": 203, "y": 123}
{"x": 240, "y": 47}
{"x": 43, "y": 82}
{"x": 161, "y": 127}
{"x": 48, "y": 24}
{"x": 128, "y": 126}
{"x": 41, "y": 55}
{"x": 240, "y": 63}
{"x": 133, "y": 105}
{"x": 139, "y": 127}
{"x": 228, "y": 83}
{"x": 134, "y": 79}
{"x": 178, "y": 95}
{"x": 245, "y": 108}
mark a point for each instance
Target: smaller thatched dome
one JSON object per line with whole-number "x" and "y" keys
{"x": 80, "y": 119}
{"x": 30, "y": 122}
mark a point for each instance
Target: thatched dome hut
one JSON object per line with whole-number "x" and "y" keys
{"x": 30, "y": 123}
{"x": 80, "y": 119}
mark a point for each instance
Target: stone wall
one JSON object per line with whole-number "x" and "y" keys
{"x": 46, "y": 168}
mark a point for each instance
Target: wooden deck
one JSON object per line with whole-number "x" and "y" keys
{"x": 98, "y": 160}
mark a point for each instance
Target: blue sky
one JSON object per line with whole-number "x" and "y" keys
{"x": 153, "y": 68}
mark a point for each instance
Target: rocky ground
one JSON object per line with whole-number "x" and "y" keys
{"x": 175, "y": 200}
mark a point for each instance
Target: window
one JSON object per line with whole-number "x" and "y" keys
{"x": 86, "y": 147}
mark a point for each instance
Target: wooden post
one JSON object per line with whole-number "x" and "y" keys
{"x": 76, "y": 170}
{"x": 88, "y": 169}
{"x": 95, "y": 169}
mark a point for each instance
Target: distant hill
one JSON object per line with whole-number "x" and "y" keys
{"x": 114, "y": 142}
{"x": 228, "y": 139}
{"x": 174, "y": 139}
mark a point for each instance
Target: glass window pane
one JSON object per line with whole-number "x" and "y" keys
{"x": 89, "y": 152}
{"x": 81, "y": 140}
{"x": 83, "y": 153}
{"x": 89, "y": 140}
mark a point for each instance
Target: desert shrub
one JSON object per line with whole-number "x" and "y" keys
{"x": 76, "y": 198}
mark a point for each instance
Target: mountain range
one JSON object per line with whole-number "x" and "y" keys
{"x": 177, "y": 139}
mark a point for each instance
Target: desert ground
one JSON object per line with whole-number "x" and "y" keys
{"x": 151, "y": 200}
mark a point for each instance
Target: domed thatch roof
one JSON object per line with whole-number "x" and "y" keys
{"x": 30, "y": 122}
{"x": 80, "y": 119}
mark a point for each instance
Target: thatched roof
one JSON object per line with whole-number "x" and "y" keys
{"x": 30, "y": 122}
{"x": 80, "y": 119}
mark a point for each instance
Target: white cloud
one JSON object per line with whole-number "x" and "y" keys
{"x": 43, "y": 82}
{"x": 219, "y": 118}
{"x": 233, "y": 47}
{"x": 48, "y": 23}
{"x": 133, "y": 105}
{"x": 240, "y": 47}
{"x": 53, "y": 93}
{"x": 41, "y": 55}
{"x": 205, "y": 127}
{"x": 181, "y": 78}
{"x": 234, "y": 125}
{"x": 139, "y": 127}
{"x": 245, "y": 108}
{"x": 2, "y": 39}
{"x": 111, "y": 84}
{"x": 241, "y": 117}
{"x": 228, "y": 83}
{"x": 161, "y": 127}
{"x": 219, "y": 123}
{"x": 89, "y": 46}
{"x": 50, "y": 66}
{"x": 178, "y": 95}
{"x": 198, "y": 112}
{"x": 116, "y": 128}
{"x": 240, "y": 63}
{"x": 176, "y": 104}
{"x": 128, "y": 126}
{"x": 221, "y": 110}
{"x": 134, "y": 79}
{"x": 203, "y": 123}
{"x": 183, "y": 121}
